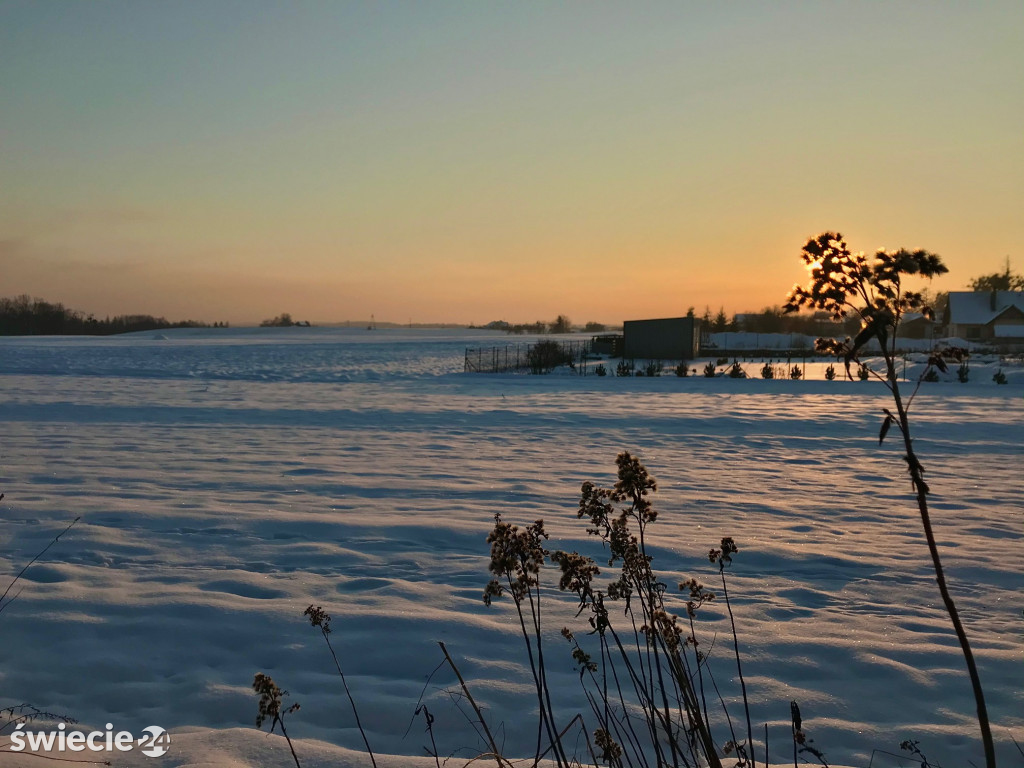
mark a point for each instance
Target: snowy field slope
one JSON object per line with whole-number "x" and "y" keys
{"x": 228, "y": 479}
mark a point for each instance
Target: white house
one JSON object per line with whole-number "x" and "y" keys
{"x": 996, "y": 317}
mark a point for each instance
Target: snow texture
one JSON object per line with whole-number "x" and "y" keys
{"x": 228, "y": 479}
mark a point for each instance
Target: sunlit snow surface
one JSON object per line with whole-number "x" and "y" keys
{"x": 226, "y": 480}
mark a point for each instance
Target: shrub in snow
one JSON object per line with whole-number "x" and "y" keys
{"x": 654, "y": 368}
{"x": 682, "y": 370}
{"x": 709, "y": 370}
{"x": 736, "y": 371}
{"x": 621, "y": 670}
{"x": 601, "y": 370}
{"x": 796, "y": 372}
{"x": 963, "y": 373}
{"x": 830, "y": 372}
{"x": 545, "y": 356}
{"x": 768, "y": 370}
{"x": 849, "y": 284}
{"x": 624, "y": 368}
{"x": 271, "y": 707}
{"x": 913, "y": 747}
{"x": 321, "y": 619}
{"x": 645, "y": 680}
{"x": 999, "y": 377}
{"x": 930, "y": 375}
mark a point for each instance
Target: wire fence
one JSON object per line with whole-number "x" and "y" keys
{"x": 538, "y": 357}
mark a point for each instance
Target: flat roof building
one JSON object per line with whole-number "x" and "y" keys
{"x": 672, "y": 338}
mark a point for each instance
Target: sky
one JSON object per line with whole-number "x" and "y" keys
{"x": 474, "y": 161}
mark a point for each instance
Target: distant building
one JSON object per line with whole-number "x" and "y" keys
{"x": 607, "y": 344}
{"x": 915, "y": 325}
{"x": 674, "y": 338}
{"x": 995, "y": 317}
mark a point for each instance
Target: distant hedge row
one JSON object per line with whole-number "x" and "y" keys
{"x": 27, "y": 316}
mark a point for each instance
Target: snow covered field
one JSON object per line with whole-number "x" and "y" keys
{"x": 228, "y": 479}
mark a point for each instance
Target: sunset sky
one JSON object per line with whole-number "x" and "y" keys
{"x": 473, "y": 161}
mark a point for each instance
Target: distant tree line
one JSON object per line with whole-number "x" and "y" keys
{"x": 771, "y": 320}
{"x": 561, "y": 324}
{"x": 502, "y": 325}
{"x": 999, "y": 281}
{"x": 284, "y": 320}
{"x": 27, "y": 316}
{"x": 774, "y": 319}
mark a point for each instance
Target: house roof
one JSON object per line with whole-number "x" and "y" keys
{"x": 911, "y": 317}
{"x": 1010, "y": 310}
{"x": 981, "y": 307}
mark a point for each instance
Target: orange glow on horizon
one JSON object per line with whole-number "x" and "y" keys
{"x": 514, "y": 162}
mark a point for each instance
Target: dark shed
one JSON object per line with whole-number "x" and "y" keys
{"x": 673, "y": 338}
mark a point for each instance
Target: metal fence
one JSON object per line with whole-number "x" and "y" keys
{"x": 535, "y": 357}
